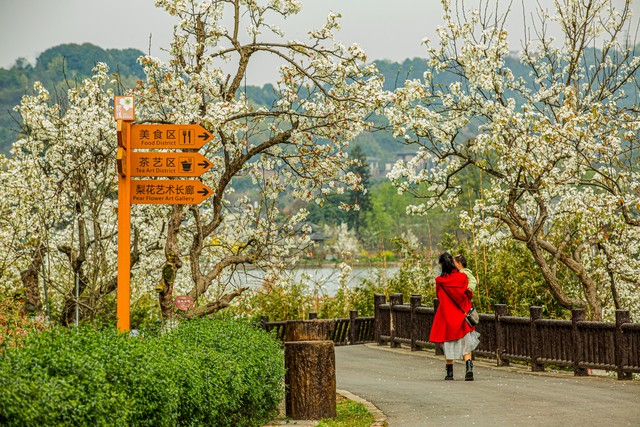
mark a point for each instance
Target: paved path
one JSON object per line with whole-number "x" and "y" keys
{"x": 409, "y": 388}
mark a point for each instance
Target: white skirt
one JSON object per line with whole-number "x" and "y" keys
{"x": 457, "y": 349}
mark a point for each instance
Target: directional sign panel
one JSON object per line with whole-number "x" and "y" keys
{"x": 168, "y": 164}
{"x": 170, "y": 192}
{"x": 169, "y": 136}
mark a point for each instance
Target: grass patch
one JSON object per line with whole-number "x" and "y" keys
{"x": 348, "y": 414}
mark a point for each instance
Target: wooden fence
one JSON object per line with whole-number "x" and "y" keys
{"x": 576, "y": 343}
{"x": 351, "y": 330}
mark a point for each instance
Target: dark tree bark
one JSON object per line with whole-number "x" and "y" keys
{"x": 29, "y": 276}
{"x": 311, "y": 370}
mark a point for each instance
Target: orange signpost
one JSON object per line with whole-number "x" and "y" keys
{"x": 168, "y": 164}
{"x": 169, "y": 136}
{"x": 170, "y": 192}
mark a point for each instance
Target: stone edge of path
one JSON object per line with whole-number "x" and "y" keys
{"x": 379, "y": 418}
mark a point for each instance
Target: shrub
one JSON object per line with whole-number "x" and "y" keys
{"x": 203, "y": 372}
{"x": 285, "y": 299}
{"x": 15, "y": 324}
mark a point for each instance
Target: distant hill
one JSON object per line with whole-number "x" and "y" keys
{"x": 73, "y": 62}
{"x": 54, "y": 67}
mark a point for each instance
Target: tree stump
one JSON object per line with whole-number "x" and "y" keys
{"x": 310, "y": 379}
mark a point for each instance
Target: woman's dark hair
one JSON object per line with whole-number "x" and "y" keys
{"x": 446, "y": 262}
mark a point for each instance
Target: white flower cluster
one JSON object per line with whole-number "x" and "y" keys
{"x": 555, "y": 153}
{"x": 60, "y": 191}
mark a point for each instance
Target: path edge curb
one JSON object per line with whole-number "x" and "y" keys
{"x": 379, "y": 418}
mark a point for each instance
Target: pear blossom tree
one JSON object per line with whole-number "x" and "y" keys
{"x": 60, "y": 210}
{"x": 58, "y": 205}
{"x": 323, "y": 98}
{"x": 558, "y": 150}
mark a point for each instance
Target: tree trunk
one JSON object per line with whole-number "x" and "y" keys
{"x": 310, "y": 378}
{"x": 173, "y": 262}
{"x": 29, "y": 276}
{"x": 165, "y": 294}
{"x": 550, "y": 278}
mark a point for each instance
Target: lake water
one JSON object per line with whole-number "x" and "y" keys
{"x": 325, "y": 280}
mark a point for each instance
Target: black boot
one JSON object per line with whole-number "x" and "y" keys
{"x": 449, "y": 372}
{"x": 469, "y": 375}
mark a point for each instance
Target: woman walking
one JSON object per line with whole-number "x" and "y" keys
{"x": 449, "y": 325}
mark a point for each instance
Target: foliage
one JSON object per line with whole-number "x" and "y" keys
{"x": 145, "y": 312}
{"x": 203, "y": 372}
{"x": 288, "y": 298}
{"x": 285, "y": 299}
{"x": 345, "y": 298}
{"x": 414, "y": 276}
{"x": 15, "y": 325}
{"x": 348, "y": 414}
{"x": 342, "y": 242}
{"x": 348, "y": 208}
{"x": 559, "y": 150}
{"x": 506, "y": 274}
{"x": 388, "y": 219}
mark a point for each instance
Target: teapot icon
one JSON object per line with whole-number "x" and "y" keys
{"x": 185, "y": 164}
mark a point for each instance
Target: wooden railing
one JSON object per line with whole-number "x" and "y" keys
{"x": 578, "y": 344}
{"x": 346, "y": 331}
{"x": 574, "y": 343}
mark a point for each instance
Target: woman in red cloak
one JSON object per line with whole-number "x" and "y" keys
{"x": 449, "y": 325}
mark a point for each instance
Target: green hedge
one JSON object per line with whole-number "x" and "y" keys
{"x": 202, "y": 373}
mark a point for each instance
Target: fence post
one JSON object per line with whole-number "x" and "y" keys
{"x": 534, "y": 340}
{"x": 396, "y": 299}
{"x": 439, "y": 349}
{"x": 313, "y": 315}
{"x": 577, "y": 315}
{"x": 353, "y": 331}
{"x": 415, "y": 303}
{"x": 378, "y": 300}
{"x": 500, "y": 310}
{"x": 622, "y": 346}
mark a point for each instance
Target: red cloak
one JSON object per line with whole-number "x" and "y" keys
{"x": 449, "y": 323}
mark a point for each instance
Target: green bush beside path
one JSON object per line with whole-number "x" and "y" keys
{"x": 203, "y": 372}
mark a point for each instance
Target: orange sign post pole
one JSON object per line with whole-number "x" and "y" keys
{"x": 124, "y": 114}
{"x": 166, "y": 191}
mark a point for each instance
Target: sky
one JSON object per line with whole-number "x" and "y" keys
{"x": 386, "y": 29}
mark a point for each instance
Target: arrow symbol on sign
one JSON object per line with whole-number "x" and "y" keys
{"x": 204, "y": 192}
{"x": 204, "y": 164}
{"x": 204, "y": 136}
